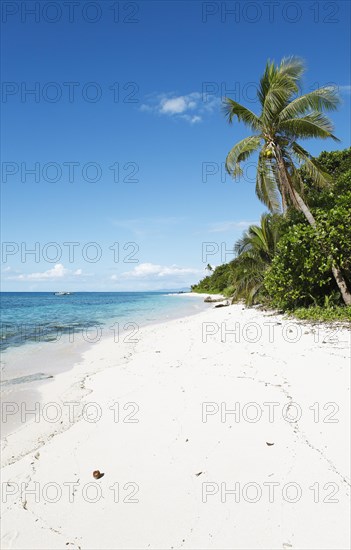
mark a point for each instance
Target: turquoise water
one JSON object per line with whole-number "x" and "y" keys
{"x": 42, "y": 316}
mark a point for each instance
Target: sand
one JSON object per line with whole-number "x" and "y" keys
{"x": 228, "y": 429}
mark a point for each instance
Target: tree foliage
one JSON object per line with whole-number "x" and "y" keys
{"x": 285, "y": 117}
{"x": 300, "y": 274}
{"x": 286, "y": 262}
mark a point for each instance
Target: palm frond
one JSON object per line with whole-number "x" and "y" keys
{"x": 319, "y": 177}
{"x": 322, "y": 99}
{"x": 239, "y": 153}
{"x": 294, "y": 176}
{"x": 267, "y": 185}
{"x": 312, "y": 125}
{"x": 283, "y": 120}
{"x": 256, "y": 240}
{"x": 293, "y": 67}
{"x": 255, "y": 250}
{"x": 277, "y": 86}
{"x": 265, "y": 82}
{"x": 251, "y": 241}
{"x": 248, "y": 277}
{"x": 233, "y": 109}
{"x": 277, "y": 97}
{"x": 296, "y": 180}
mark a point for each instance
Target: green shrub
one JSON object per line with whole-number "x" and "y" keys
{"x": 325, "y": 314}
{"x": 300, "y": 274}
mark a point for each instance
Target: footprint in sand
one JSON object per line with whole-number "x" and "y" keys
{"x": 8, "y": 539}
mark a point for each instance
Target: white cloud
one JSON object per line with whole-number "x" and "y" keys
{"x": 190, "y": 107}
{"x": 156, "y": 271}
{"x": 56, "y": 273}
{"x": 222, "y": 227}
{"x": 149, "y": 276}
{"x": 195, "y": 118}
{"x": 176, "y": 105}
{"x": 344, "y": 89}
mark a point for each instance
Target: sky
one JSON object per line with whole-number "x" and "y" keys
{"x": 114, "y": 140}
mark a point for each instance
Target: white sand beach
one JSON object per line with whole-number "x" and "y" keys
{"x": 228, "y": 429}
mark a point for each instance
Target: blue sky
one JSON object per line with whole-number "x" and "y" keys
{"x": 126, "y": 136}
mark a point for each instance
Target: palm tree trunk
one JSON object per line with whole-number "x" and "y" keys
{"x": 301, "y": 205}
{"x": 284, "y": 203}
{"x": 340, "y": 281}
{"x": 304, "y": 208}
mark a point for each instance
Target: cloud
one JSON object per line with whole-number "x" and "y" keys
{"x": 149, "y": 276}
{"x": 56, "y": 273}
{"x": 156, "y": 271}
{"x": 177, "y": 105}
{"x": 222, "y": 227}
{"x": 192, "y": 119}
{"x": 195, "y": 118}
{"x": 191, "y": 107}
{"x": 344, "y": 89}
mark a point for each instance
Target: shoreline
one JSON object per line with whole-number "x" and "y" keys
{"x": 66, "y": 353}
{"x": 168, "y": 375}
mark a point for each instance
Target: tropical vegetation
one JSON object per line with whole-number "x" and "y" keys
{"x": 281, "y": 263}
{"x": 299, "y": 256}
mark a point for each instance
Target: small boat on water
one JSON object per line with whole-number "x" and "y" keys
{"x": 62, "y": 293}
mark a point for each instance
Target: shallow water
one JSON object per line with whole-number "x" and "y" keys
{"x": 44, "y": 334}
{"x": 35, "y": 351}
{"x": 43, "y": 317}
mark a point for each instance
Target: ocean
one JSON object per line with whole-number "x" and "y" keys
{"x": 43, "y": 334}
{"x": 38, "y": 317}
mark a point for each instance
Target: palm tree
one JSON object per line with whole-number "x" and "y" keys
{"x": 285, "y": 117}
{"x": 255, "y": 251}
